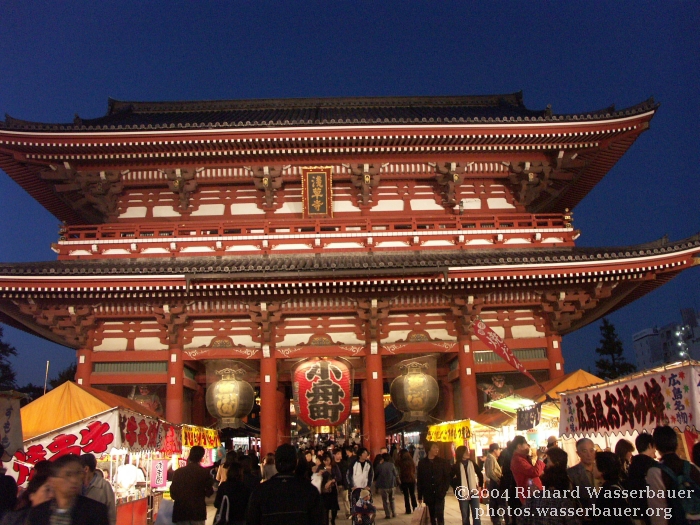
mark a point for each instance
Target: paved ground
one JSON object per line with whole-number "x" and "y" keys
{"x": 452, "y": 514}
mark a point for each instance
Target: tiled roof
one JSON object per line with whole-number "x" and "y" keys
{"x": 487, "y": 109}
{"x": 322, "y": 266}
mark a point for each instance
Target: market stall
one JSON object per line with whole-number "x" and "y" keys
{"x": 129, "y": 441}
{"x": 204, "y": 437}
{"x": 536, "y": 410}
{"x": 466, "y": 432}
{"x": 637, "y": 403}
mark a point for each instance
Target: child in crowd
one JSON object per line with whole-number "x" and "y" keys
{"x": 364, "y": 511}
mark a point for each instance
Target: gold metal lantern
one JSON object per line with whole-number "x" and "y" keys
{"x": 230, "y": 398}
{"x": 415, "y": 393}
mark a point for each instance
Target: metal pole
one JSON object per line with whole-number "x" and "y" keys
{"x": 46, "y": 378}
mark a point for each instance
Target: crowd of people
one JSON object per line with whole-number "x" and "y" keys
{"x": 524, "y": 487}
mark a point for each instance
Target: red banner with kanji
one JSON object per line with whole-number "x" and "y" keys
{"x": 494, "y": 342}
{"x": 322, "y": 392}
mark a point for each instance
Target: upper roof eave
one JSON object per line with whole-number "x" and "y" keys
{"x": 341, "y": 112}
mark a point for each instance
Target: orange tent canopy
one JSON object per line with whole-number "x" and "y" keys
{"x": 570, "y": 381}
{"x": 70, "y": 403}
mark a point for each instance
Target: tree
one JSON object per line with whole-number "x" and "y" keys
{"x": 33, "y": 392}
{"x": 612, "y": 363}
{"x": 7, "y": 373}
{"x": 67, "y": 374}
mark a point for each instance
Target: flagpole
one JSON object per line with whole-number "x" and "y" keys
{"x": 46, "y": 378}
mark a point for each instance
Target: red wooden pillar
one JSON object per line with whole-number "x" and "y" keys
{"x": 364, "y": 410}
{"x": 84, "y": 367}
{"x": 375, "y": 403}
{"x": 174, "y": 390}
{"x": 268, "y": 405}
{"x": 448, "y": 399}
{"x": 199, "y": 412}
{"x": 556, "y": 360}
{"x": 284, "y": 427}
{"x": 467, "y": 380}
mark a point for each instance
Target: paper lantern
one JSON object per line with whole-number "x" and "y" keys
{"x": 322, "y": 393}
{"x": 415, "y": 393}
{"x": 230, "y": 398}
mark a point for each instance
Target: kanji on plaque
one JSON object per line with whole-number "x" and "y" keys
{"x": 317, "y": 193}
{"x": 323, "y": 392}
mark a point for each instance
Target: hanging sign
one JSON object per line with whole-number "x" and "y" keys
{"x": 204, "y": 437}
{"x": 139, "y": 433}
{"x": 317, "y": 192}
{"x": 663, "y": 397}
{"x": 528, "y": 418}
{"x": 170, "y": 439}
{"x": 322, "y": 392}
{"x": 159, "y": 473}
{"x": 500, "y": 348}
{"x": 450, "y": 432}
{"x": 10, "y": 423}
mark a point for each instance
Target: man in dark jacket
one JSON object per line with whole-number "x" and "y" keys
{"x": 637, "y": 473}
{"x": 191, "y": 486}
{"x": 68, "y": 506}
{"x": 386, "y": 478}
{"x": 285, "y": 499}
{"x": 97, "y": 488}
{"x": 433, "y": 476}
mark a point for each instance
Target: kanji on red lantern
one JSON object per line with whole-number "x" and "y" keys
{"x": 323, "y": 392}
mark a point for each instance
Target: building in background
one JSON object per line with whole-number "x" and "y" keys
{"x": 670, "y": 343}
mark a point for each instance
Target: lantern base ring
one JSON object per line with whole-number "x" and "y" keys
{"x": 230, "y": 422}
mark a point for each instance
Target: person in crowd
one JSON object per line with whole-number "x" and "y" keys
{"x": 614, "y": 507}
{"x": 68, "y": 506}
{"x": 342, "y": 462}
{"x": 8, "y": 489}
{"x": 37, "y": 492}
{"x": 552, "y": 442}
{"x": 330, "y": 478}
{"x": 255, "y": 466}
{"x": 269, "y": 468}
{"x": 407, "y": 477}
{"x": 507, "y": 487}
{"x": 636, "y": 476}
{"x": 233, "y": 509}
{"x": 386, "y": 479}
{"x": 464, "y": 476}
{"x": 191, "y": 485}
{"x": 360, "y": 474}
{"x": 363, "y": 510}
{"x": 379, "y": 457}
{"x": 251, "y": 476}
{"x": 668, "y": 509}
{"x": 303, "y": 469}
{"x": 624, "y": 450}
{"x": 97, "y": 488}
{"x": 582, "y": 475}
{"x": 128, "y": 475}
{"x": 493, "y": 481}
{"x": 554, "y": 478}
{"x": 696, "y": 454}
{"x": 433, "y": 476}
{"x": 285, "y": 499}
{"x": 222, "y": 472}
{"x": 220, "y": 455}
{"x": 526, "y": 472}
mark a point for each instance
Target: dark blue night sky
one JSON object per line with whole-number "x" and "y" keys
{"x": 62, "y": 58}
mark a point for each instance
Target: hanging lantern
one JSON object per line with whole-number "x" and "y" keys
{"x": 230, "y": 398}
{"x": 415, "y": 393}
{"x": 322, "y": 393}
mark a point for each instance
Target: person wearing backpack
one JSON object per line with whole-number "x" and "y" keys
{"x": 671, "y": 475}
{"x": 637, "y": 476}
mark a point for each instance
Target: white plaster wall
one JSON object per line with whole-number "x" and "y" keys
{"x": 209, "y": 209}
{"x": 425, "y": 204}
{"x": 149, "y": 343}
{"x": 134, "y": 212}
{"x": 290, "y": 207}
{"x": 246, "y": 209}
{"x": 111, "y": 344}
{"x": 499, "y": 203}
{"x": 165, "y": 211}
{"x": 388, "y": 205}
{"x": 344, "y": 206}
{"x": 520, "y": 332}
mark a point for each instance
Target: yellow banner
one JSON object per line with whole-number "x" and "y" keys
{"x": 450, "y": 432}
{"x": 204, "y": 437}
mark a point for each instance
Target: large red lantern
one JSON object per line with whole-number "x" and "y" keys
{"x": 323, "y": 392}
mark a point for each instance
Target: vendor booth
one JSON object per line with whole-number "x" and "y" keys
{"x": 469, "y": 433}
{"x": 130, "y": 442}
{"x": 637, "y": 403}
{"x": 536, "y": 410}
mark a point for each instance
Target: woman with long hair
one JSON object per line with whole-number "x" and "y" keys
{"x": 237, "y": 493}
{"x": 464, "y": 476}
{"x": 624, "y": 450}
{"x": 231, "y": 457}
{"x": 555, "y": 495}
{"x": 407, "y": 478}
{"x": 38, "y": 491}
{"x": 329, "y": 487}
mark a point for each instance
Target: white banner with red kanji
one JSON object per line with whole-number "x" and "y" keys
{"x": 644, "y": 401}
{"x": 99, "y": 434}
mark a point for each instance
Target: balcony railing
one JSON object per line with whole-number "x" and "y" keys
{"x": 529, "y": 354}
{"x": 297, "y": 235}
